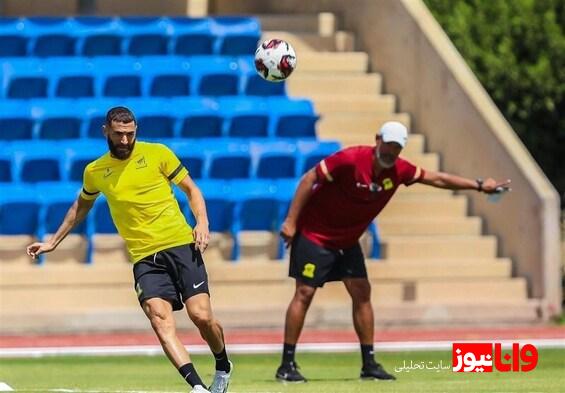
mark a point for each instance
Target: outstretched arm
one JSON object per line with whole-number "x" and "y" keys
{"x": 76, "y": 213}
{"x": 301, "y": 196}
{"x": 454, "y": 182}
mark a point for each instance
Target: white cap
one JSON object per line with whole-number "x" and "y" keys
{"x": 393, "y": 131}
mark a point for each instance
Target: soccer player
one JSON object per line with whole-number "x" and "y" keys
{"x": 333, "y": 205}
{"x": 136, "y": 178}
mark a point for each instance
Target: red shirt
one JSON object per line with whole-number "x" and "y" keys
{"x": 347, "y": 196}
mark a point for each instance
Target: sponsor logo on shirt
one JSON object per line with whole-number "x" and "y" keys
{"x": 388, "y": 184}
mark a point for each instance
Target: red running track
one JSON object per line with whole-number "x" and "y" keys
{"x": 275, "y": 336}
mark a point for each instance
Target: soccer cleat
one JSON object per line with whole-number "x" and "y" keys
{"x": 221, "y": 380}
{"x": 199, "y": 389}
{"x": 289, "y": 373}
{"x": 374, "y": 370}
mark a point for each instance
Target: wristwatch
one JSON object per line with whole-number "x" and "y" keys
{"x": 479, "y": 184}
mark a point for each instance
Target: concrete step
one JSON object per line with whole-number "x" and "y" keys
{"x": 429, "y": 226}
{"x": 434, "y": 270}
{"x": 356, "y": 128}
{"x": 304, "y": 42}
{"x": 470, "y": 291}
{"x": 427, "y": 161}
{"x": 433, "y": 247}
{"x": 333, "y": 63}
{"x": 290, "y": 22}
{"x": 247, "y": 271}
{"x": 436, "y": 205}
{"x": 306, "y": 85}
{"x": 354, "y": 103}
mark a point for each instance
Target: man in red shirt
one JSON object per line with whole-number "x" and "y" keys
{"x": 333, "y": 205}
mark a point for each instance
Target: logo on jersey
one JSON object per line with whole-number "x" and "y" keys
{"x": 141, "y": 163}
{"x": 107, "y": 172}
{"x": 309, "y": 269}
{"x": 388, "y": 184}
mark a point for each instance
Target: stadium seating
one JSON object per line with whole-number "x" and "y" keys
{"x": 191, "y": 83}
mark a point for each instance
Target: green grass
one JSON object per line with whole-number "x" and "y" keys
{"x": 328, "y": 373}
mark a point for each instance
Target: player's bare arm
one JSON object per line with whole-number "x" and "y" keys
{"x": 76, "y": 213}
{"x": 454, "y": 182}
{"x": 198, "y": 207}
{"x": 301, "y": 196}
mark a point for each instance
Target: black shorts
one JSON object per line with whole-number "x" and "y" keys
{"x": 315, "y": 265}
{"x": 174, "y": 274}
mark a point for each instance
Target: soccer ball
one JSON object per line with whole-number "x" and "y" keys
{"x": 275, "y": 60}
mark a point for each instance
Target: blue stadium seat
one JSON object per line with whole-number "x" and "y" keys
{"x": 55, "y": 120}
{"x": 80, "y": 153}
{"x": 215, "y": 75}
{"x": 15, "y": 121}
{"x": 75, "y": 86}
{"x": 12, "y": 41}
{"x": 201, "y": 126}
{"x": 274, "y": 160}
{"x": 153, "y": 126}
{"x": 248, "y": 117}
{"x": 98, "y": 36}
{"x": 296, "y": 126}
{"x": 5, "y": 167}
{"x": 237, "y": 35}
{"x": 218, "y": 84}
{"x": 257, "y": 208}
{"x": 218, "y": 204}
{"x": 257, "y": 86}
{"x": 146, "y": 35}
{"x": 239, "y": 45}
{"x": 122, "y": 85}
{"x": 37, "y": 162}
{"x": 50, "y": 36}
{"x": 54, "y": 128}
{"x": 229, "y": 165}
{"x": 194, "y": 163}
{"x": 312, "y": 152}
{"x": 12, "y": 45}
{"x": 101, "y": 45}
{"x": 249, "y": 125}
{"x": 57, "y": 198}
{"x": 19, "y": 210}
{"x": 28, "y": 87}
{"x": 170, "y": 85}
{"x": 191, "y": 36}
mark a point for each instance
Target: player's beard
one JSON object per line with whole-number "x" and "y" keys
{"x": 119, "y": 151}
{"x": 385, "y": 160}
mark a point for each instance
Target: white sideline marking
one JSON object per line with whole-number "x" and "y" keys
{"x": 4, "y": 387}
{"x": 153, "y": 350}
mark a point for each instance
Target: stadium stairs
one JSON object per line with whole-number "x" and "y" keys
{"x": 437, "y": 266}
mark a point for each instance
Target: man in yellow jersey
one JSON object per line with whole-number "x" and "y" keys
{"x": 166, "y": 252}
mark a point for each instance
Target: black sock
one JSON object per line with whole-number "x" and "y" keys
{"x": 367, "y": 353}
{"x": 188, "y": 372}
{"x": 222, "y": 363}
{"x": 288, "y": 353}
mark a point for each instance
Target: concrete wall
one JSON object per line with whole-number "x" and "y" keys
{"x": 448, "y": 105}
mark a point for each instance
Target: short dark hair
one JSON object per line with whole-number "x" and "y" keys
{"x": 119, "y": 114}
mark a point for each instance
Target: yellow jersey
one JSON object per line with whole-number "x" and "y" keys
{"x": 140, "y": 196}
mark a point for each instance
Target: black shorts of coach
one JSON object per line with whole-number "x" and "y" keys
{"x": 174, "y": 274}
{"x": 315, "y": 265}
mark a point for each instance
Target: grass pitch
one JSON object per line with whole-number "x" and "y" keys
{"x": 327, "y": 373}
